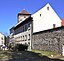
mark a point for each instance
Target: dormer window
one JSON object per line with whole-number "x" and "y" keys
{"x": 47, "y": 8}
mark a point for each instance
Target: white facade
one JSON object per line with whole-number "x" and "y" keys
{"x": 2, "y": 39}
{"x": 23, "y": 38}
{"x": 44, "y": 19}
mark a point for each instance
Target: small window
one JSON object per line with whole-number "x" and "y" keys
{"x": 23, "y": 38}
{"x": 19, "y": 37}
{"x": 47, "y": 8}
{"x": 40, "y": 15}
{"x": 2, "y": 42}
{"x": 28, "y": 36}
{"x": 28, "y": 43}
{"x": 29, "y": 24}
{"x": 2, "y": 38}
{"x": 54, "y": 25}
{"x": 23, "y": 28}
{"x": 25, "y": 43}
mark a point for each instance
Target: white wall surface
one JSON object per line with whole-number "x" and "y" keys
{"x": 46, "y": 20}
{"x": 2, "y": 39}
{"x": 22, "y": 40}
{"x": 22, "y": 34}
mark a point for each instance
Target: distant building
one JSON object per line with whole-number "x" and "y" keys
{"x": 7, "y": 40}
{"x": 33, "y": 29}
{"x": 2, "y": 40}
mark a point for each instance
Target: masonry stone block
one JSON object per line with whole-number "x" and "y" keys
{"x": 50, "y": 40}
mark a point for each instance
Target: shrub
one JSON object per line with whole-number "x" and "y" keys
{"x": 21, "y": 47}
{"x": 9, "y": 47}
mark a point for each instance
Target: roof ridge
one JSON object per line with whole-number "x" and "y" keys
{"x": 24, "y": 12}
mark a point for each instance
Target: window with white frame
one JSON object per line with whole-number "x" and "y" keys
{"x": 26, "y": 27}
{"x": 29, "y": 26}
{"x": 28, "y": 36}
{"x": 25, "y": 37}
{"x": 21, "y": 38}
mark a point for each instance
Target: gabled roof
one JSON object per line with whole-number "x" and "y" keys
{"x": 23, "y": 12}
{"x": 2, "y": 33}
{"x": 47, "y": 18}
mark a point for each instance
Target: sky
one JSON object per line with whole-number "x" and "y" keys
{"x": 10, "y": 8}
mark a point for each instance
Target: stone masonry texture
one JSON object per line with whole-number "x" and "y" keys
{"x": 49, "y": 40}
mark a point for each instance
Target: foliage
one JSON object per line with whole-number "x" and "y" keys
{"x": 9, "y": 46}
{"x": 21, "y": 47}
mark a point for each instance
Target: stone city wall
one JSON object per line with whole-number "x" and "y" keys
{"x": 49, "y": 40}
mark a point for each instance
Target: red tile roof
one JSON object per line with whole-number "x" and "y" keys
{"x": 62, "y": 22}
{"x": 24, "y": 12}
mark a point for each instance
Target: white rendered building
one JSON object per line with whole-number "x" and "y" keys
{"x": 2, "y": 39}
{"x": 22, "y": 31}
{"x": 45, "y": 18}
